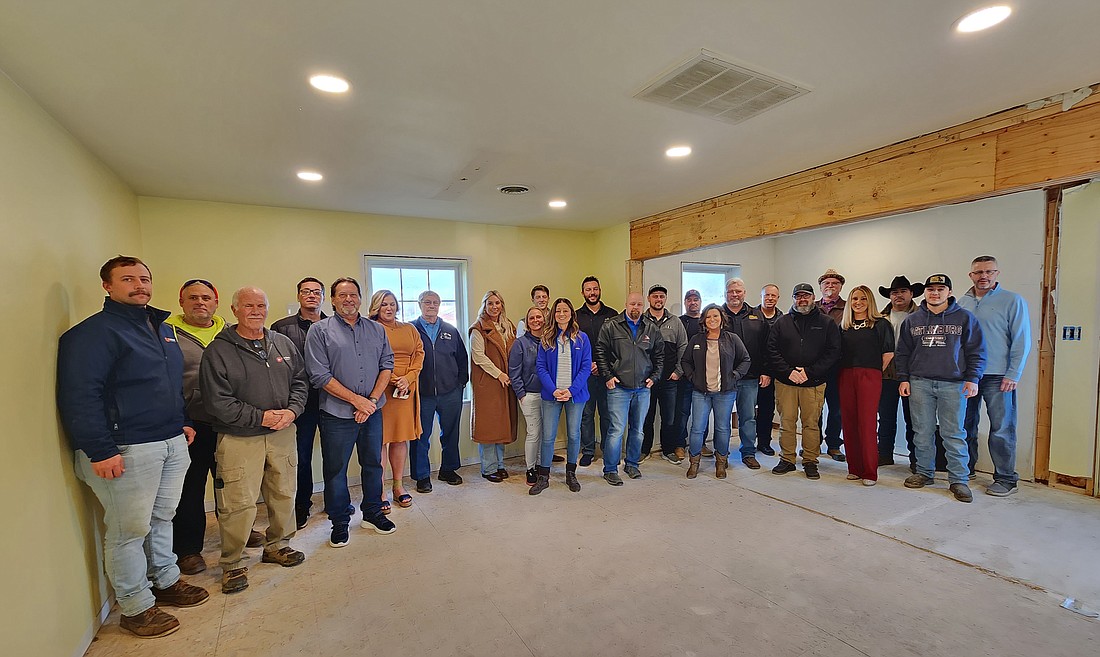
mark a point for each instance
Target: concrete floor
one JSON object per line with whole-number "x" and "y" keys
{"x": 756, "y": 564}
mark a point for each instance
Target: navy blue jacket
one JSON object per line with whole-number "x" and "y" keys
{"x": 446, "y": 363}
{"x": 120, "y": 380}
{"x": 581, "y": 361}
{"x": 521, "y": 365}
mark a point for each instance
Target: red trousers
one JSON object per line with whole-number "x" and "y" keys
{"x": 860, "y": 389}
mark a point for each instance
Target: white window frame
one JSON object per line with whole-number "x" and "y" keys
{"x": 459, "y": 266}
{"x": 727, "y": 270}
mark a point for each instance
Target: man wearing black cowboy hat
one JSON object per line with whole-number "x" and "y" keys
{"x": 900, "y": 293}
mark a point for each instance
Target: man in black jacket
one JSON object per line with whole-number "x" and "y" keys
{"x": 590, "y": 318}
{"x": 803, "y": 347}
{"x": 743, "y": 320}
{"x": 311, "y": 294}
{"x": 629, "y": 358}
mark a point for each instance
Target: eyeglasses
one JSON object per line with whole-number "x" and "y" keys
{"x": 260, "y": 351}
{"x": 984, "y": 272}
{"x": 311, "y": 293}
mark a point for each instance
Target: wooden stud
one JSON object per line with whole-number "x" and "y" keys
{"x": 1048, "y": 324}
{"x": 633, "y": 276}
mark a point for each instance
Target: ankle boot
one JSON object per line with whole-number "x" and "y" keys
{"x": 542, "y": 483}
{"x": 571, "y": 478}
{"x": 693, "y": 467}
{"x": 720, "y": 465}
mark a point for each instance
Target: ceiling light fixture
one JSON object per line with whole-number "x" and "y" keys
{"x": 557, "y": 204}
{"x": 311, "y": 176}
{"x": 678, "y": 151}
{"x": 329, "y": 83}
{"x": 982, "y": 19}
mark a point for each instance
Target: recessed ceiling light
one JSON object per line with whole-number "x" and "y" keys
{"x": 678, "y": 151}
{"x": 981, "y": 19}
{"x": 311, "y": 176}
{"x": 557, "y": 204}
{"x": 329, "y": 83}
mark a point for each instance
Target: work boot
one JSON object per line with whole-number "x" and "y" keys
{"x": 693, "y": 466}
{"x": 571, "y": 478}
{"x": 542, "y": 481}
{"x": 150, "y": 624}
{"x": 720, "y": 465}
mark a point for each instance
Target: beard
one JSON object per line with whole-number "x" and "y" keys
{"x": 803, "y": 310}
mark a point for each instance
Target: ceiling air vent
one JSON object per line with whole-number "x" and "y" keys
{"x": 511, "y": 190}
{"x": 720, "y": 90}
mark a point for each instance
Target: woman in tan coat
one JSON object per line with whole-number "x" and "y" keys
{"x": 494, "y": 409}
{"x": 401, "y": 414}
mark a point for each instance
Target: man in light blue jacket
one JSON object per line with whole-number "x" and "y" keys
{"x": 1006, "y": 327}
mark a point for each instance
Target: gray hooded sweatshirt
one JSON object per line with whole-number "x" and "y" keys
{"x": 238, "y": 384}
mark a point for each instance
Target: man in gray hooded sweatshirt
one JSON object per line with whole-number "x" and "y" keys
{"x": 253, "y": 383}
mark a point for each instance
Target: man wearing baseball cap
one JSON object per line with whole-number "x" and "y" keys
{"x": 803, "y": 347}
{"x": 665, "y": 391}
{"x": 940, "y": 358}
{"x": 900, "y": 293}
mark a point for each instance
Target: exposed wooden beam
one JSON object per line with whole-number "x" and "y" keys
{"x": 1013, "y": 150}
{"x": 1048, "y": 324}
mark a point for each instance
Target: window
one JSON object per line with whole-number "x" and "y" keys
{"x": 407, "y": 277}
{"x": 709, "y": 279}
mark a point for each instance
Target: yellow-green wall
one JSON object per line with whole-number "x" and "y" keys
{"x": 63, "y": 214}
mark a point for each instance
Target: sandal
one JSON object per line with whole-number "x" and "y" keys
{"x": 386, "y": 507}
{"x": 404, "y": 500}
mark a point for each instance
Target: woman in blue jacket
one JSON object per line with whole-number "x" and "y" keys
{"x": 564, "y": 364}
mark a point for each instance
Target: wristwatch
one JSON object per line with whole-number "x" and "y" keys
{"x": 373, "y": 400}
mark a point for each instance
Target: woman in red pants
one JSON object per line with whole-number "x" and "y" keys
{"x": 867, "y": 347}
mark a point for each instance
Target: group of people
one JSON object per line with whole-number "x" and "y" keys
{"x": 155, "y": 403}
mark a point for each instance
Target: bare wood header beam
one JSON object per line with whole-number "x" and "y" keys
{"x": 1010, "y": 151}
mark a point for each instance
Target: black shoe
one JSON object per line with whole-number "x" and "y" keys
{"x": 380, "y": 524}
{"x": 339, "y": 536}
{"x": 613, "y": 478}
{"x": 493, "y": 477}
{"x": 532, "y": 476}
{"x": 301, "y": 516}
{"x": 586, "y": 460}
{"x": 449, "y": 476}
{"x": 766, "y": 450}
{"x": 572, "y": 483}
{"x": 559, "y": 459}
{"x": 542, "y": 482}
{"x": 783, "y": 467}
{"x": 424, "y": 485}
{"x": 502, "y": 473}
{"x": 885, "y": 460}
{"x": 632, "y": 472}
{"x": 837, "y": 455}
{"x": 811, "y": 471}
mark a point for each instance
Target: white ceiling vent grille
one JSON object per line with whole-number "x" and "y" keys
{"x": 719, "y": 90}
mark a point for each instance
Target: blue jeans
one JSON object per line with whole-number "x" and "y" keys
{"x": 702, "y": 404}
{"x": 138, "y": 508}
{"x": 338, "y": 437}
{"x": 888, "y": 420}
{"x": 683, "y": 405}
{"x": 448, "y": 407}
{"x": 597, "y": 400}
{"x": 492, "y": 457}
{"x": 934, "y": 402}
{"x": 747, "y": 390}
{"x": 551, "y": 413}
{"x": 627, "y": 407}
{"x": 664, "y": 394}
{"x": 305, "y": 428}
{"x": 1001, "y": 409}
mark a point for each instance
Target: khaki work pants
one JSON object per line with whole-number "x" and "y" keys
{"x": 248, "y": 466}
{"x": 794, "y": 402}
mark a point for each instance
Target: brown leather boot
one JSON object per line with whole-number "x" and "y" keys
{"x": 720, "y": 465}
{"x": 693, "y": 467}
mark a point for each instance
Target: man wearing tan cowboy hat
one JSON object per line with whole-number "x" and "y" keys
{"x": 831, "y": 304}
{"x": 900, "y": 293}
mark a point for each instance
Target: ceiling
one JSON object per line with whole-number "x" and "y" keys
{"x": 208, "y": 99}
